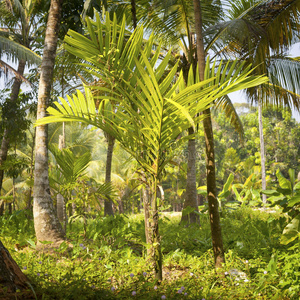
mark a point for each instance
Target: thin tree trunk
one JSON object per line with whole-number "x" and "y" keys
{"x": 15, "y": 90}
{"x": 154, "y": 250}
{"x": 262, "y": 153}
{"x": 29, "y": 202}
{"x": 146, "y": 201}
{"x": 61, "y": 203}
{"x": 11, "y": 277}
{"x": 108, "y": 210}
{"x": 3, "y": 154}
{"x": 191, "y": 188}
{"x": 210, "y": 154}
{"x": 46, "y": 224}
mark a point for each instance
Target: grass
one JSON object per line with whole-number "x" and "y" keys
{"x": 110, "y": 262}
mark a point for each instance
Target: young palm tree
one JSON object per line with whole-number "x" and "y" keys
{"x": 152, "y": 113}
{"x": 46, "y": 224}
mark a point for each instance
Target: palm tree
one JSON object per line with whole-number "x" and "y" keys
{"x": 46, "y": 224}
{"x": 266, "y": 29}
{"x": 151, "y": 114}
{"x": 213, "y": 204}
{"x": 17, "y": 38}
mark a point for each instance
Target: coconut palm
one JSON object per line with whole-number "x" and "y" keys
{"x": 261, "y": 32}
{"x": 46, "y": 224}
{"x": 152, "y": 112}
{"x": 17, "y": 41}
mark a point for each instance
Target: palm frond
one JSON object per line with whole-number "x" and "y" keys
{"x": 15, "y": 51}
{"x": 71, "y": 166}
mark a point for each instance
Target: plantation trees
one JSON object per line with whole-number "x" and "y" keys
{"x": 260, "y": 32}
{"x": 18, "y": 26}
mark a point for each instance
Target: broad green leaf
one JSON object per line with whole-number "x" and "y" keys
{"x": 270, "y": 192}
{"x": 295, "y": 200}
{"x": 291, "y": 231}
{"x": 283, "y": 182}
{"x": 225, "y": 192}
{"x": 237, "y": 194}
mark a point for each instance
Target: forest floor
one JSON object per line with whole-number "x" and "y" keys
{"x": 109, "y": 262}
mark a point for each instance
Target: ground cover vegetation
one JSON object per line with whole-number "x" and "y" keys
{"x": 139, "y": 178}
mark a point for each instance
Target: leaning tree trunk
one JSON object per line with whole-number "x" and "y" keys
{"x": 46, "y": 224}
{"x": 213, "y": 204}
{"x": 11, "y": 277}
{"x": 262, "y": 152}
{"x": 15, "y": 90}
{"x": 108, "y": 209}
{"x": 191, "y": 196}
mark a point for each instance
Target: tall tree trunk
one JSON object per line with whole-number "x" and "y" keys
{"x": 262, "y": 152}
{"x": 15, "y": 90}
{"x": 11, "y": 277}
{"x": 46, "y": 224}
{"x": 210, "y": 154}
{"x": 191, "y": 199}
{"x": 108, "y": 210}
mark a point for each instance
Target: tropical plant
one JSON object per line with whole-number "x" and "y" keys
{"x": 154, "y": 110}
{"x": 261, "y": 32}
{"x": 287, "y": 196}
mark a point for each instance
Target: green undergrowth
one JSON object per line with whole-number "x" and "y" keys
{"x": 109, "y": 262}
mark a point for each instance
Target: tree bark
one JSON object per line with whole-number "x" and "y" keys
{"x": 46, "y": 224}
{"x": 191, "y": 196}
{"x": 133, "y": 13}
{"x": 146, "y": 202}
{"x": 15, "y": 90}
{"x": 29, "y": 201}
{"x": 262, "y": 152}
{"x": 213, "y": 204}
{"x": 152, "y": 233}
{"x": 108, "y": 209}
{"x": 61, "y": 203}
{"x": 11, "y": 277}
